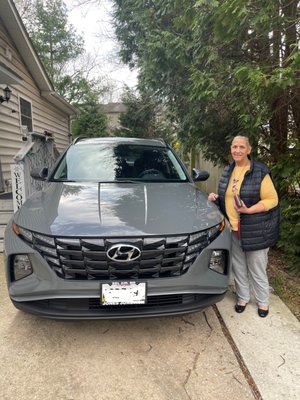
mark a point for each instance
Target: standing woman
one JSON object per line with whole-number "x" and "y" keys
{"x": 247, "y": 197}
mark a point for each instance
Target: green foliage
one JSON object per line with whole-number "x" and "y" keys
{"x": 139, "y": 118}
{"x": 286, "y": 173}
{"x": 290, "y": 232}
{"x": 144, "y": 117}
{"x": 90, "y": 123}
{"x": 58, "y": 45}
{"x": 223, "y": 68}
{"x": 78, "y": 90}
{"x": 55, "y": 41}
{"x": 152, "y": 39}
{"x": 219, "y": 65}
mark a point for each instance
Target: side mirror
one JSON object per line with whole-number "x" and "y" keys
{"x": 199, "y": 175}
{"x": 39, "y": 174}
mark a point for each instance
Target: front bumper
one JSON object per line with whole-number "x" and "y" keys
{"x": 44, "y": 293}
{"x": 91, "y": 309}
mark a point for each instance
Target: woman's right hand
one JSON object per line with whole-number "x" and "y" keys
{"x": 212, "y": 197}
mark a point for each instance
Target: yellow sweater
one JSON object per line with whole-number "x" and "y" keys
{"x": 268, "y": 194}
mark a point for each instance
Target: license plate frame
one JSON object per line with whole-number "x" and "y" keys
{"x": 123, "y": 293}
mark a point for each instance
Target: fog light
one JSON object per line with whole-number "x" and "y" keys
{"x": 218, "y": 261}
{"x": 21, "y": 266}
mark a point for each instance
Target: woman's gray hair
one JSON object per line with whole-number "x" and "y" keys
{"x": 244, "y": 138}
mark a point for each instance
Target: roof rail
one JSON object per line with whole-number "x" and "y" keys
{"x": 79, "y": 138}
{"x": 163, "y": 141}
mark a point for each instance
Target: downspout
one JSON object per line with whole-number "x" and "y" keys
{"x": 1, "y": 180}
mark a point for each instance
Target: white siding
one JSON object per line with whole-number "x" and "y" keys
{"x": 45, "y": 116}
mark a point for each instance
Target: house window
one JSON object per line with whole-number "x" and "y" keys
{"x": 26, "y": 114}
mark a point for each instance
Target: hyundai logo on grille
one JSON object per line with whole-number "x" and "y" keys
{"x": 123, "y": 253}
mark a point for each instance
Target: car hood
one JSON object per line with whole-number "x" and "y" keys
{"x": 118, "y": 209}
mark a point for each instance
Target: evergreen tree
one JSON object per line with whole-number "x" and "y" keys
{"x": 90, "y": 123}
{"x": 58, "y": 45}
{"x": 144, "y": 117}
{"x": 225, "y": 67}
{"x": 54, "y": 39}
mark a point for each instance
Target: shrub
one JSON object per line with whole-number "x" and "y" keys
{"x": 289, "y": 238}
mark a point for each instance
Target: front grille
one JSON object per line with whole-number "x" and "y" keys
{"x": 86, "y": 258}
{"x": 152, "y": 301}
{"x": 94, "y": 304}
{"x": 82, "y": 308}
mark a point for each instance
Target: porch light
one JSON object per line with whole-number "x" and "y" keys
{"x": 7, "y": 94}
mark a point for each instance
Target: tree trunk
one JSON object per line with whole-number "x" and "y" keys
{"x": 290, "y": 13}
{"x": 295, "y": 103}
{"x": 279, "y": 127}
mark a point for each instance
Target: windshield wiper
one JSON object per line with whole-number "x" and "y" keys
{"x": 62, "y": 180}
{"x": 126, "y": 181}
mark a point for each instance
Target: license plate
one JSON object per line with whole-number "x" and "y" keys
{"x": 120, "y": 293}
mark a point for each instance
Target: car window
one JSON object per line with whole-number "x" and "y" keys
{"x": 107, "y": 163}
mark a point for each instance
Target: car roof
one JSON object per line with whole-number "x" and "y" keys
{"x": 122, "y": 140}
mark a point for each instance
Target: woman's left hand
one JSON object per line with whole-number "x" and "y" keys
{"x": 241, "y": 210}
{"x": 256, "y": 208}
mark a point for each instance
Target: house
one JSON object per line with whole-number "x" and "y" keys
{"x": 113, "y": 112}
{"x": 33, "y": 103}
{"x": 32, "y": 106}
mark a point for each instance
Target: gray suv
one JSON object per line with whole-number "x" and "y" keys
{"x": 120, "y": 231}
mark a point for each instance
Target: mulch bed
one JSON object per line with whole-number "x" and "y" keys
{"x": 285, "y": 284}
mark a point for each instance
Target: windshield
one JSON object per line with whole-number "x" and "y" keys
{"x": 108, "y": 162}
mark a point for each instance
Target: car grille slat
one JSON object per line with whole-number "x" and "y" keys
{"x": 172, "y": 260}
{"x": 71, "y": 271}
{"x": 86, "y": 258}
{"x": 73, "y": 263}
{"x": 147, "y": 271}
{"x": 173, "y": 268}
{"x": 149, "y": 263}
{"x": 177, "y": 250}
{"x": 152, "y": 254}
{"x": 96, "y": 264}
{"x": 94, "y": 255}
{"x": 94, "y": 244}
{"x": 103, "y": 273}
{"x": 72, "y": 253}
{"x": 66, "y": 243}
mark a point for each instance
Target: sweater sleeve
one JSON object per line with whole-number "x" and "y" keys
{"x": 268, "y": 194}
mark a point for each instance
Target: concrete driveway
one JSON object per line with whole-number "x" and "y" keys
{"x": 161, "y": 358}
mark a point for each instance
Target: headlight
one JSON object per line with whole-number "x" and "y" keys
{"x": 197, "y": 237}
{"x": 44, "y": 244}
{"x": 27, "y": 235}
{"x": 21, "y": 267}
{"x": 215, "y": 231}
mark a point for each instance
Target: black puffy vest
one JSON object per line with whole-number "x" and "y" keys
{"x": 258, "y": 231}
